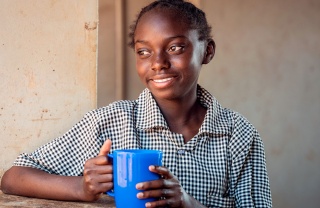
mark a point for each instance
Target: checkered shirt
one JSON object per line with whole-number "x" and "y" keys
{"x": 222, "y": 166}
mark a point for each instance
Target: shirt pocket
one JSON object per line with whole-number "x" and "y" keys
{"x": 220, "y": 201}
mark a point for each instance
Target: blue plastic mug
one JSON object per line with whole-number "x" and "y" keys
{"x": 129, "y": 168}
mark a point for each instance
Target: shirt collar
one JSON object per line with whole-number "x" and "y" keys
{"x": 149, "y": 114}
{"x": 217, "y": 119}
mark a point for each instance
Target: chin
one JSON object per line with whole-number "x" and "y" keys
{"x": 165, "y": 95}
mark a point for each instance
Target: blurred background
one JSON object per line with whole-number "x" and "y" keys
{"x": 60, "y": 59}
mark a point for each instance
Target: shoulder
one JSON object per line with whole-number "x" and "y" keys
{"x": 121, "y": 105}
{"x": 113, "y": 110}
{"x": 220, "y": 119}
{"x": 239, "y": 121}
{"x": 240, "y": 126}
{"x": 244, "y": 135}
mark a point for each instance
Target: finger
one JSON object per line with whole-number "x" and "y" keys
{"x": 162, "y": 203}
{"x": 156, "y": 193}
{"x": 99, "y": 169}
{"x": 98, "y": 188}
{"x": 161, "y": 170}
{"x": 104, "y": 178}
{"x": 106, "y": 186}
{"x": 98, "y": 178}
{"x": 105, "y": 183}
{"x": 105, "y": 149}
{"x": 96, "y": 161}
{"x": 156, "y": 184}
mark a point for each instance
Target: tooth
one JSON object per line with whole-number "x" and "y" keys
{"x": 162, "y": 80}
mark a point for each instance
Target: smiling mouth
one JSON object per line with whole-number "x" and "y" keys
{"x": 162, "y": 80}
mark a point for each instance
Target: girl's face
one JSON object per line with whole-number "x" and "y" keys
{"x": 169, "y": 55}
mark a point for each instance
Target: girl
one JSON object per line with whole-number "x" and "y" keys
{"x": 212, "y": 156}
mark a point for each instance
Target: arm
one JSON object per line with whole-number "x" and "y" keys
{"x": 253, "y": 189}
{"x": 248, "y": 178}
{"x": 32, "y": 182}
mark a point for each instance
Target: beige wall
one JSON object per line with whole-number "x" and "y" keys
{"x": 47, "y": 70}
{"x": 267, "y": 67}
{"x": 107, "y": 58}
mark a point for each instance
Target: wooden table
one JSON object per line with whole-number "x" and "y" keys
{"x": 7, "y": 201}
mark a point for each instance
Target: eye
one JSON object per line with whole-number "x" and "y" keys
{"x": 175, "y": 48}
{"x": 143, "y": 53}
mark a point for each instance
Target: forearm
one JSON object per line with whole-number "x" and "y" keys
{"x": 32, "y": 182}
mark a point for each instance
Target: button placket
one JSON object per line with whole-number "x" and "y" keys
{"x": 181, "y": 152}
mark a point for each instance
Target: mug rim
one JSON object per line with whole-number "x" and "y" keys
{"x": 137, "y": 151}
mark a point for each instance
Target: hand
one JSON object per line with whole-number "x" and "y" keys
{"x": 97, "y": 174}
{"x": 168, "y": 189}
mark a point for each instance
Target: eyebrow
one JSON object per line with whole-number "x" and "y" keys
{"x": 170, "y": 38}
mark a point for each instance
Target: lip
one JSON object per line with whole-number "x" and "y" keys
{"x": 162, "y": 81}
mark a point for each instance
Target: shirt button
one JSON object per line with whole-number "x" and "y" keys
{"x": 181, "y": 152}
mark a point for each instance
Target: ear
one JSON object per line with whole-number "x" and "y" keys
{"x": 209, "y": 53}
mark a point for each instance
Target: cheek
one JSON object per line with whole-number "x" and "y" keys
{"x": 181, "y": 60}
{"x": 186, "y": 62}
{"x": 142, "y": 68}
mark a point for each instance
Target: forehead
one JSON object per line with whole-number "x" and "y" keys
{"x": 163, "y": 22}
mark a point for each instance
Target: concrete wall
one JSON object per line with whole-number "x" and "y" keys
{"x": 48, "y": 53}
{"x": 107, "y": 59}
{"x": 267, "y": 67}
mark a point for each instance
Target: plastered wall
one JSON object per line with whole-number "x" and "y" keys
{"x": 267, "y": 67}
{"x": 48, "y": 52}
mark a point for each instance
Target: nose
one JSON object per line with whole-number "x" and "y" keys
{"x": 160, "y": 61}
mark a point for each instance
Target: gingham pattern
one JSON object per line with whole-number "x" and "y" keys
{"x": 222, "y": 166}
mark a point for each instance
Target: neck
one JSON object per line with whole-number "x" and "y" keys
{"x": 175, "y": 111}
{"x": 183, "y": 116}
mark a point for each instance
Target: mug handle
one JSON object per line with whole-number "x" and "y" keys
{"x": 111, "y": 191}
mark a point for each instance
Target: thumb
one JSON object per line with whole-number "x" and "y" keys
{"x": 105, "y": 149}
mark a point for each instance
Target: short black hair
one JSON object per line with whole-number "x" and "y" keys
{"x": 194, "y": 16}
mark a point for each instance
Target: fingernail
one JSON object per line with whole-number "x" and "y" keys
{"x": 148, "y": 204}
{"x": 140, "y": 195}
{"x": 152, "y": 167}
{"x": 139, "y": 186}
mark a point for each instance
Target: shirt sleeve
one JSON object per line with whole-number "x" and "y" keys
{"x": 67, "y": 154}
{"x": 253, "y": 189}
{"x": 250, "y": 180}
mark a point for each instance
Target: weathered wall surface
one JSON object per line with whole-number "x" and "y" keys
{"x": 267, "y": 67}
{"x": 48, "y": 53}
